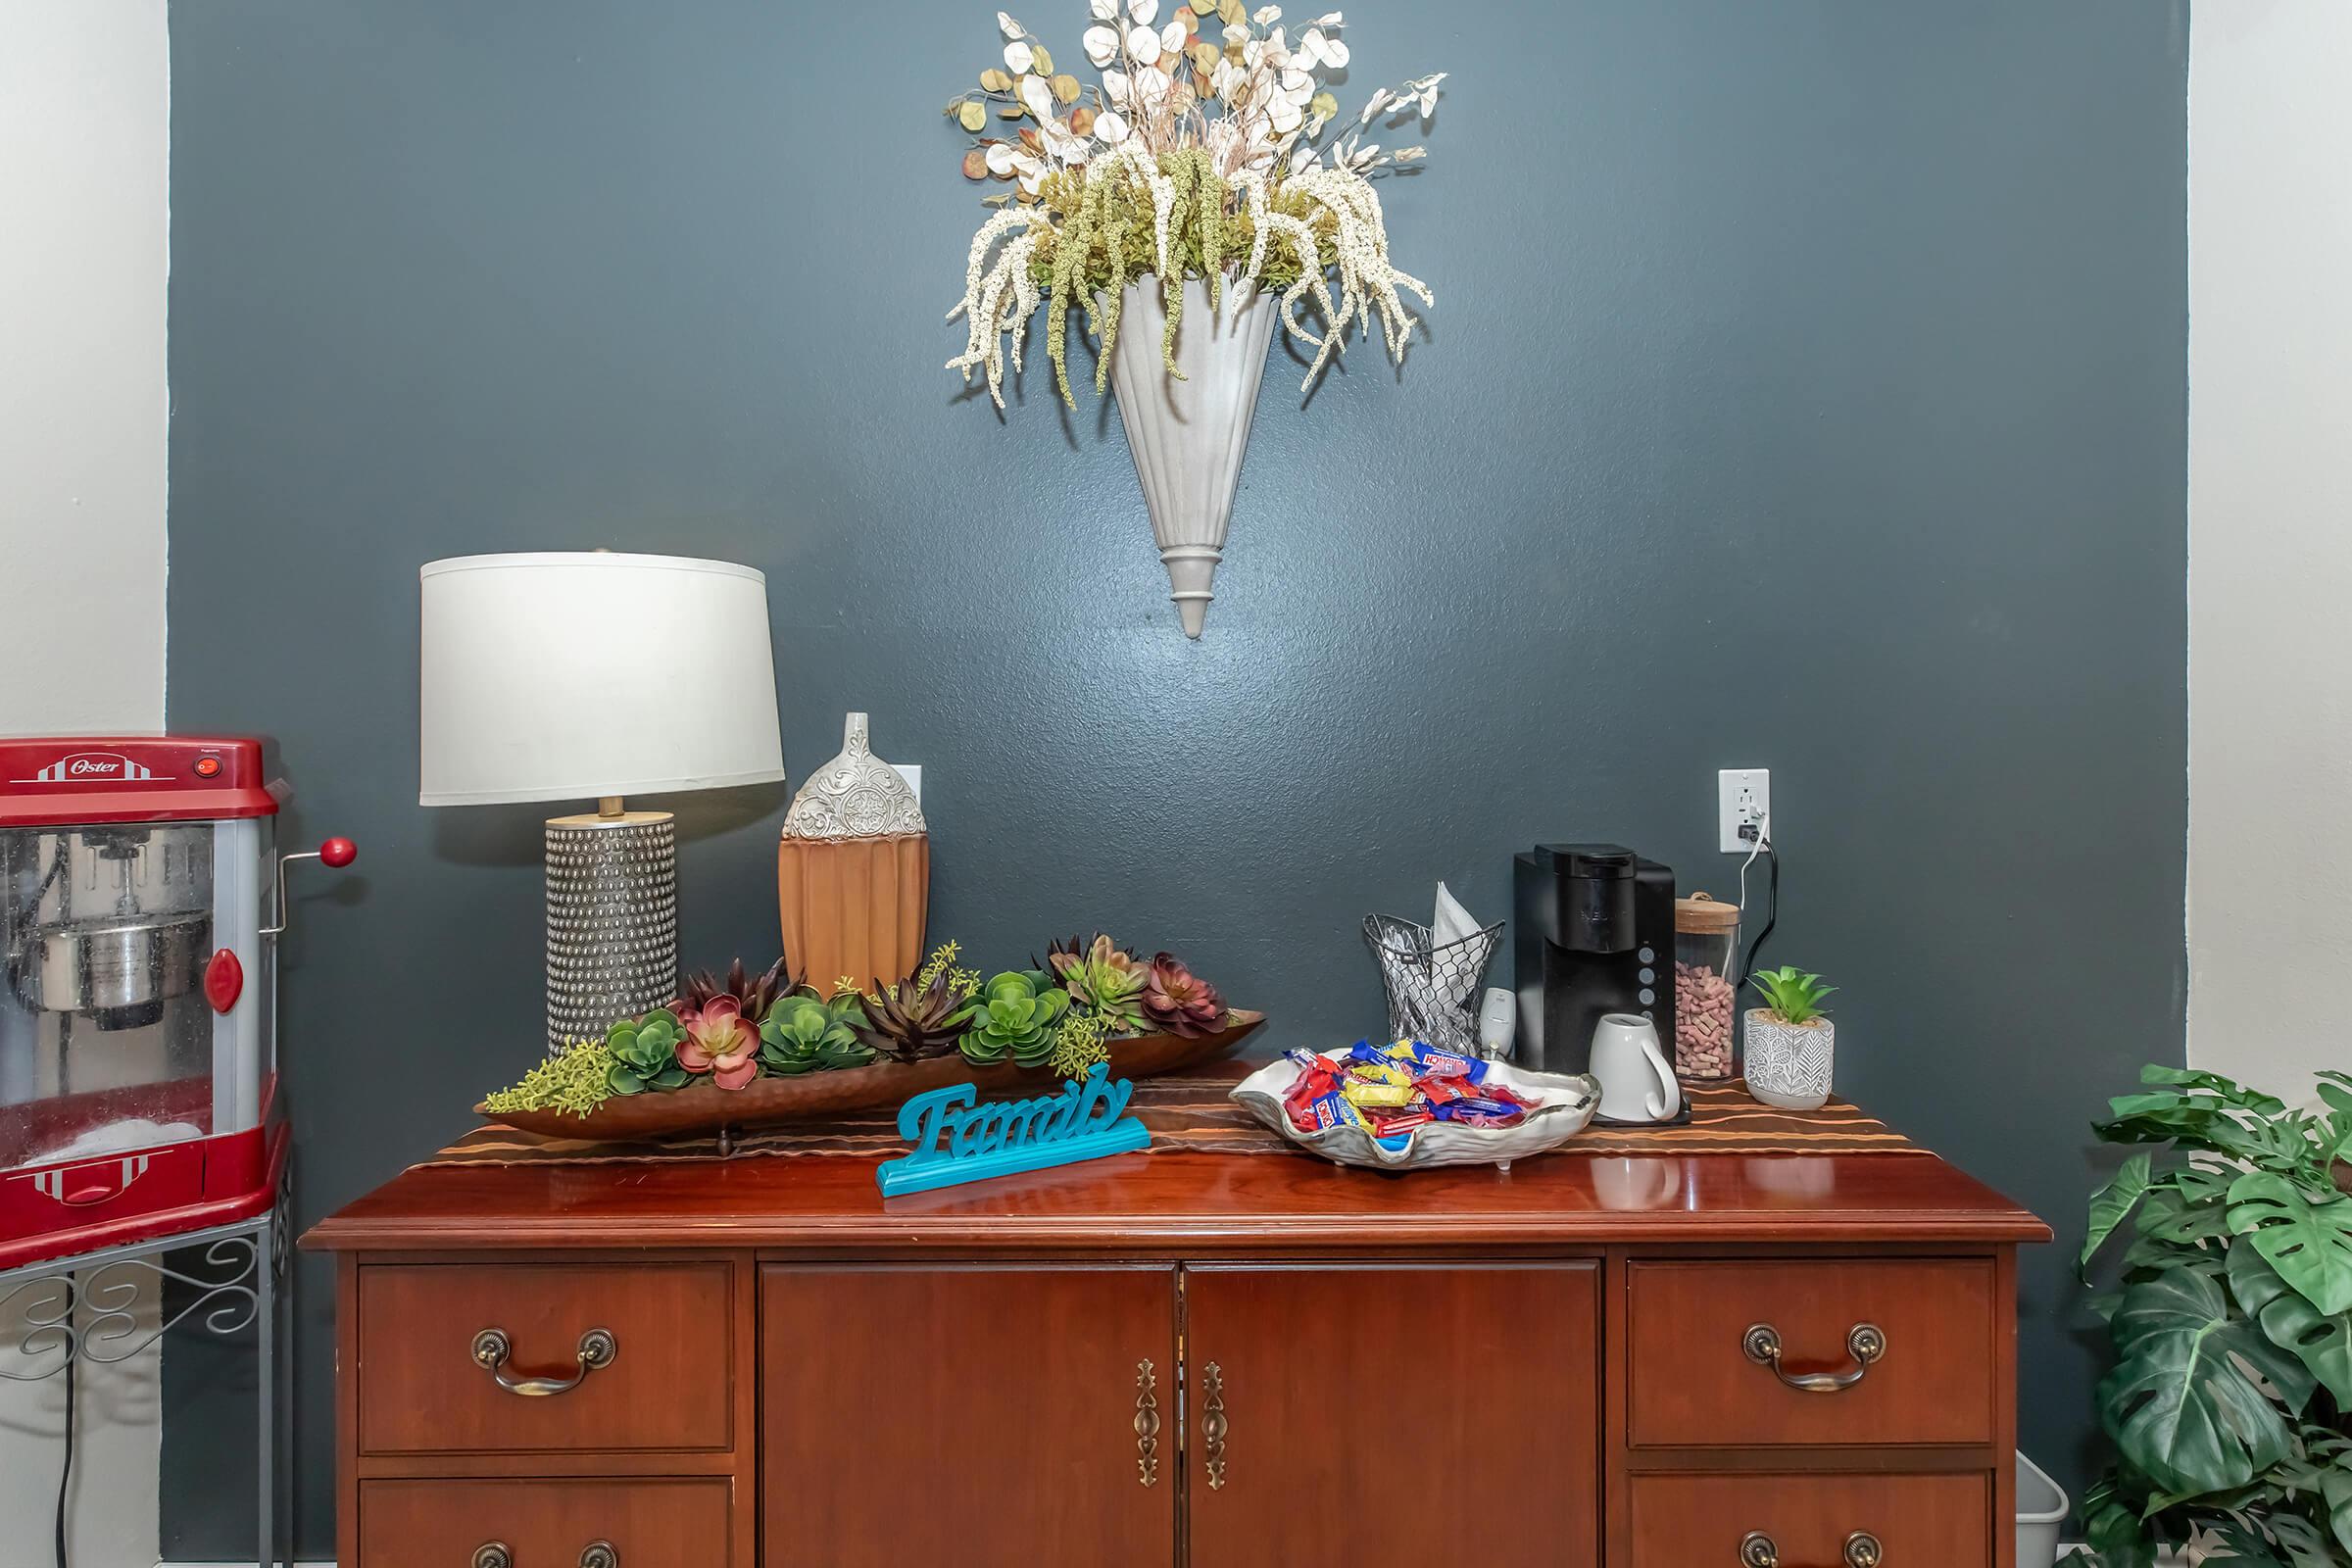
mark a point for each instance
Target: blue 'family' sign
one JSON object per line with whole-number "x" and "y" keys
{"x": 958, "y": 1141}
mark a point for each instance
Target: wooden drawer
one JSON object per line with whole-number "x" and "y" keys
{"x": 673, "y": 1329}
{"x": 1693, "y": 1386}
{"x": 546, "y": 1524}
{"x": 1699, "y": 1521}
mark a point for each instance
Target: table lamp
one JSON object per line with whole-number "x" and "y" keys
{"x": 564, "y": 675}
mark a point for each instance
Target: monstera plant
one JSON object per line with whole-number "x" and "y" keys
{"x": 2231, "y": 1403}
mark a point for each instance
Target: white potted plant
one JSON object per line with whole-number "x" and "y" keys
{"x": 1164, "y": 206}
{"x": 1790, "y": 1046}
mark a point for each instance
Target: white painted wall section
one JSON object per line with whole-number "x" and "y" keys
{"x": 84, "y": 256}
{"x": 2270, "y": 539}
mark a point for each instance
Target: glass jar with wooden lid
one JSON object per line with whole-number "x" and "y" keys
{"x": 1707, "y": 956}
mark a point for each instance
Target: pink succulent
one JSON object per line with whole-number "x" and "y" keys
{"x": 721, "y": 1042}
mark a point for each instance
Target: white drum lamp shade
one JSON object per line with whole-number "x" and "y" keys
{"x": 566, "y": 676}
{"x": 574, "y": 676}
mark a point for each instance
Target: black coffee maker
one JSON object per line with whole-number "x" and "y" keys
{"x": 1593, "y": 933}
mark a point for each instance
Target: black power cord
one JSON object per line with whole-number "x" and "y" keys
{"x": 1772, "y": 857}
{"x": 64, "y": 1478}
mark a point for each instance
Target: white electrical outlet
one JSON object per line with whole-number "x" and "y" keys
{"x": 1743, "y": 796}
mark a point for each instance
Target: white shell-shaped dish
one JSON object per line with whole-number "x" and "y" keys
{"x": 1565, "y": 1106}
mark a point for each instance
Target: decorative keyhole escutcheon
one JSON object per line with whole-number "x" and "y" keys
{"x": 1146, "y": 1423}
{"x": 1212, "y": 1423}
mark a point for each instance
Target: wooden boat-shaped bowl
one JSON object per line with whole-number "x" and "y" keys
{"x": 704, "y": 1108}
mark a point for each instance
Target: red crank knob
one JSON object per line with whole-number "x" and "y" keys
{"x": 339, "y": 852}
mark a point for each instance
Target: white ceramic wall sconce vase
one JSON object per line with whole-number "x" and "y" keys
{"x": 1188, "y": 435}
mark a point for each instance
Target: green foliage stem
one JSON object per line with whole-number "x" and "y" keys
{"x": 575, "y": 1082}
{"x": 1105, "y": 238}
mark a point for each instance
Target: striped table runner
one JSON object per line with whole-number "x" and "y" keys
{"x": 1189, "y": 1112}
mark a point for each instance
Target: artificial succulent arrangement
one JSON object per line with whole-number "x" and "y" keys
{"x": 1792, "y": 995}
{"x": 730, "y": 1031}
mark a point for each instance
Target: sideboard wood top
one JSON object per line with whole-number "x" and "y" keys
{"x": 1185, "y": 1202}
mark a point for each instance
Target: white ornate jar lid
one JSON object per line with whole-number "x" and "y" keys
{"x": 854, "y": 795}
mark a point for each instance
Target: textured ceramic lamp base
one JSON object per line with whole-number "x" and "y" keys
{"x": 611, "y": 922}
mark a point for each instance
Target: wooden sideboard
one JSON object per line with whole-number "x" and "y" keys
{"x": 1226, "y": 1360}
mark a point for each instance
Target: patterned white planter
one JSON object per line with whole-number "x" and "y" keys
{"x": 1788, "y": 1063}
{"x": 1188, "y": 435}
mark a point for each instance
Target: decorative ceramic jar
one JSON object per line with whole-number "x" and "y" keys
{"x": 853, "y": 871}
{"x": 1788, "y": 1063}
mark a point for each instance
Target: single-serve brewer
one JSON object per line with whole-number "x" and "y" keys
{"x": 1592, "y": 935}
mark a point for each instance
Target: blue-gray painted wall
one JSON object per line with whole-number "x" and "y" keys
{"x": 1805, "y": 390}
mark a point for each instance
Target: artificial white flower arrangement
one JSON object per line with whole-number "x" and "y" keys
{"x": 1198, "y": 156}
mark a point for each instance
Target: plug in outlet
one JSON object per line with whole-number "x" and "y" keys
{"x": 1742, "y": 795}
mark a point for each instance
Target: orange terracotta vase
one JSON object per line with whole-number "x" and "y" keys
{"x": 852, "y": 908}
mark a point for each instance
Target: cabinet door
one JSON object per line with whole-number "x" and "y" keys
{"x": 1393, "y": 1417}
{"x": 976, "y": 1416}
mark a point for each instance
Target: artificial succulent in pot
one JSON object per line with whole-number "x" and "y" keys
{"x": 801, "y": 1033}
{"x": 1018, "y": 1014}
{"x": 914, "y": 1020}
{"x": 1105, "y": 979}
{"x": 1179, "y": 1002}
{"x": 722, "y": 1043}
{"x": 644, "y": 1053}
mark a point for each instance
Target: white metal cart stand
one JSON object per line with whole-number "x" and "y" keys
{"x": 63, "y": 1311}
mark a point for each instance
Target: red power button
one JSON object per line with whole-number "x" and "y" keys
{"x": 206, "y": 766}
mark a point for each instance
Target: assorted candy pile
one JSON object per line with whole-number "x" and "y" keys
{"x": 1388, "y": 1091}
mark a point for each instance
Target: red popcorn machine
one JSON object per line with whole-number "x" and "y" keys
{"x": 141, "y": 894}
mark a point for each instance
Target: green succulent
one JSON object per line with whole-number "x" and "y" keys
{"x": 1017, "y": 1018}
{"x": 801, "y": 1033}
{"x": 644, "y": 1053}
{"x": 1106, "y": 979}
{"x": 1790, "y": 996}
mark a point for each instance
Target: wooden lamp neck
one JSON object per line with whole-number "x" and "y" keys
{"x": 608, "y": 806}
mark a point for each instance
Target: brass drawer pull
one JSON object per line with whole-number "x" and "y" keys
{"x": 1212, "y": 1423}
{"x": 493, "y": 1554}
{"x": 1862, "y": 1551}
{"x": 491, "y": 1347}
{"x": 599, "y": 1554}
{"x": 1864, "y": 1341}
{"x": 1146, "y": 1423}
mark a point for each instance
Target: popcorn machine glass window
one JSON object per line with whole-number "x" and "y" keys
{"x": 107, "y": 1042}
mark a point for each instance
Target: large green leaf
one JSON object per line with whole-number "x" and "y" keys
{"x": 2335, "y": 1489}
{"x": 2308, "y": 1241}
{"x": 2177, "y": 1403}
{"x": 2230, "y": 1090}
{"x": 2304, "y": 1543}
{"x": 2111, "y": 1202}
{"x": 2118, "y": 1536}
{"x": 2323, "y": 1343}
{"x": 2246, "y": 1546}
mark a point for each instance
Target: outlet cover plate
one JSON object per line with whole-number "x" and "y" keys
{"x": 1742, "y": 795}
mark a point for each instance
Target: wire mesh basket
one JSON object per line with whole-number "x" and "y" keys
{"x": 1432, "y": 988}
